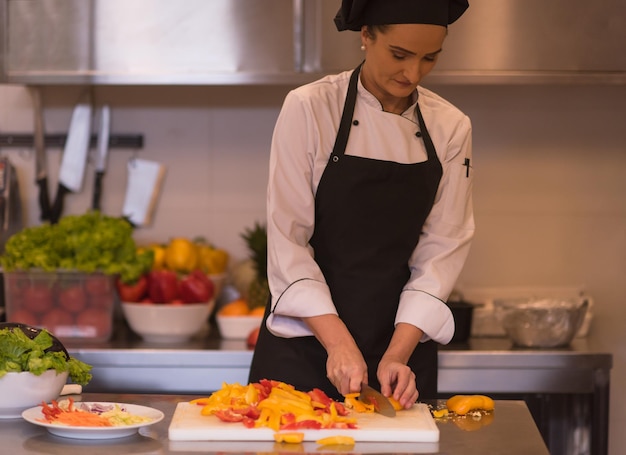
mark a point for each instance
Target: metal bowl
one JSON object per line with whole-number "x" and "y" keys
{"x": 541, "y": 323}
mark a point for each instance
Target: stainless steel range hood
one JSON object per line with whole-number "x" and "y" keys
{"x": 227, "y": 42}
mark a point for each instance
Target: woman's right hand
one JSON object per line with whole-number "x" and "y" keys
{"x": 345, "y": 367}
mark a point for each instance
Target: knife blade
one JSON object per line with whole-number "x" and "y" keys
{"x": 101, "y": 155}
{"x": 74, "y": 155}
{"x": 381, "y": 403}
{"x": 41, "y": 162}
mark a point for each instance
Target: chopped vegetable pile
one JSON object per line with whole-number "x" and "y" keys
{"x": 66, "y": 412}
{"x": 19, "y": 353}
{"x": 85, "y": 243}
{"x": 276, "y": 405}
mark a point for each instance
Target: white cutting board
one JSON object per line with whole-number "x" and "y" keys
{"x": 413, "y": 425}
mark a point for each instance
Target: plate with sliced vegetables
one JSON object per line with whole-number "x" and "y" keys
{"x": 92, "y": 420}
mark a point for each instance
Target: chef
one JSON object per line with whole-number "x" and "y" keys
{"x": 369, "y": 213}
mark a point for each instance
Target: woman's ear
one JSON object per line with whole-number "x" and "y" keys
{"x": 364, "y": 36}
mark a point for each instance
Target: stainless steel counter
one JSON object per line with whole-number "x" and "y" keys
{"x": 126, "y": 364}
{"x": 489, "y": 365}
{"x": 510, "y": 432}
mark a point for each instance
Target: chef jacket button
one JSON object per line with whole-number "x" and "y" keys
{"x": 418, "y": 134}
{"x": 355, "y": 122}
{"x": 335, "y": 158}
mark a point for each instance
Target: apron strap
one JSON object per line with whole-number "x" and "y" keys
{"x": 428, "y": 143}
{"x": 346, "y": 118}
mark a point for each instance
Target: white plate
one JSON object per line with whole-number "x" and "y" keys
{"x": 35, "y": 416}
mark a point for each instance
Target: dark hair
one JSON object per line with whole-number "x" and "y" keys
{"x": 373, "y": 30}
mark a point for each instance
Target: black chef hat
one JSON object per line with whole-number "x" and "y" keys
{"x": 353, "y": 14}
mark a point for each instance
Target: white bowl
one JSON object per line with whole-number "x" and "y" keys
{"x": 237, "y": 327}
{"x": 21, "y": 391}
{"x": 167, "y": 323}
{"x": 219, "y": 280}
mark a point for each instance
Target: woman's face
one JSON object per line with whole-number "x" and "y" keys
{"x": 398, "y": 58}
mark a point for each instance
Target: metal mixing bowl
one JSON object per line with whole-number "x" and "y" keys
{"x": 541, "y": 323}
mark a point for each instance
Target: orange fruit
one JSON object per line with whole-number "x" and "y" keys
{"x": 238, "y": 307}
{"x": 257, "y": 311}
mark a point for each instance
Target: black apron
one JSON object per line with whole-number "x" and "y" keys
{"x": 368, "y": 219}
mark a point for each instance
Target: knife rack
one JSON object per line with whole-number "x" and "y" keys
{"x": 126, "y": 141}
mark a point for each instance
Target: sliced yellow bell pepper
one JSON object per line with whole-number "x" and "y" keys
{"x": 290, "y": 438}
{"x": 336, "y": 440}
{"x": 462, "y": 404}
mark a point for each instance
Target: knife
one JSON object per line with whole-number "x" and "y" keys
{"x": 74, "y": 155}
{"x": 145, "y": 179}
{"x": 381, "y": 403}
{"x": 101, "y": 155}
{"x": 41, "y": 163}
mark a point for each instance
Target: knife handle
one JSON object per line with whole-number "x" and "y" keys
{"x": 97, "y": 190}
{"x": 44, "y": 198}
{"x": 57, "y": 207}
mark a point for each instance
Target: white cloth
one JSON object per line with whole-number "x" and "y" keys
{"x": 302, "y": 142}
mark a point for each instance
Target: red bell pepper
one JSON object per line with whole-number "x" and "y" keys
{"x": 162, "y": 286}
{"x": 195, "y": 288}
{"x": 132, "y": 292}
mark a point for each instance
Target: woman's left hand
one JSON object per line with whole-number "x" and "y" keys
{"x": 397, "y": 379}
{"x": 395, "y": 376}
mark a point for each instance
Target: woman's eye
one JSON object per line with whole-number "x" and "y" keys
{"x": 398, "y": 56}
{"x": 430, "y": 58}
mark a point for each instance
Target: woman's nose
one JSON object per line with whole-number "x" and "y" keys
{"x": 413, "y": 73}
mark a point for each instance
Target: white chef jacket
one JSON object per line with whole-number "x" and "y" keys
{"x": 303, "y": 139}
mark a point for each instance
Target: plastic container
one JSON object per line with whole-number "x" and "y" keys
{"x": 71, "y": 305}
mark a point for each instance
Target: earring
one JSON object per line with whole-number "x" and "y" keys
{"x": 362, "y": 47}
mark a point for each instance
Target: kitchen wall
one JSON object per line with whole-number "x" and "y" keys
{"x": 550, "y": 186}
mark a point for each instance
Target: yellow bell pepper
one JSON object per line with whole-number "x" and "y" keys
{"x": 462, "y": 404}
{"x": 212, "y": 260}
{"x": 181, "y": 255}
{"x": 158, "y": 261}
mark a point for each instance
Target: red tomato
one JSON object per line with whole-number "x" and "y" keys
{"x": 97, "y": 318}
{"x": 98, "y": 284}
{"x": 133, "y": 292}
{"x": 38, "y": 298}
{"x": 24, "y": 316}
{"x": 55, "y": 318}
{"x": 253, "y": 337}
{"x": 73, "y": 299}
{"x": 162, "y": 286}
{"x": 103, "y": 301}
